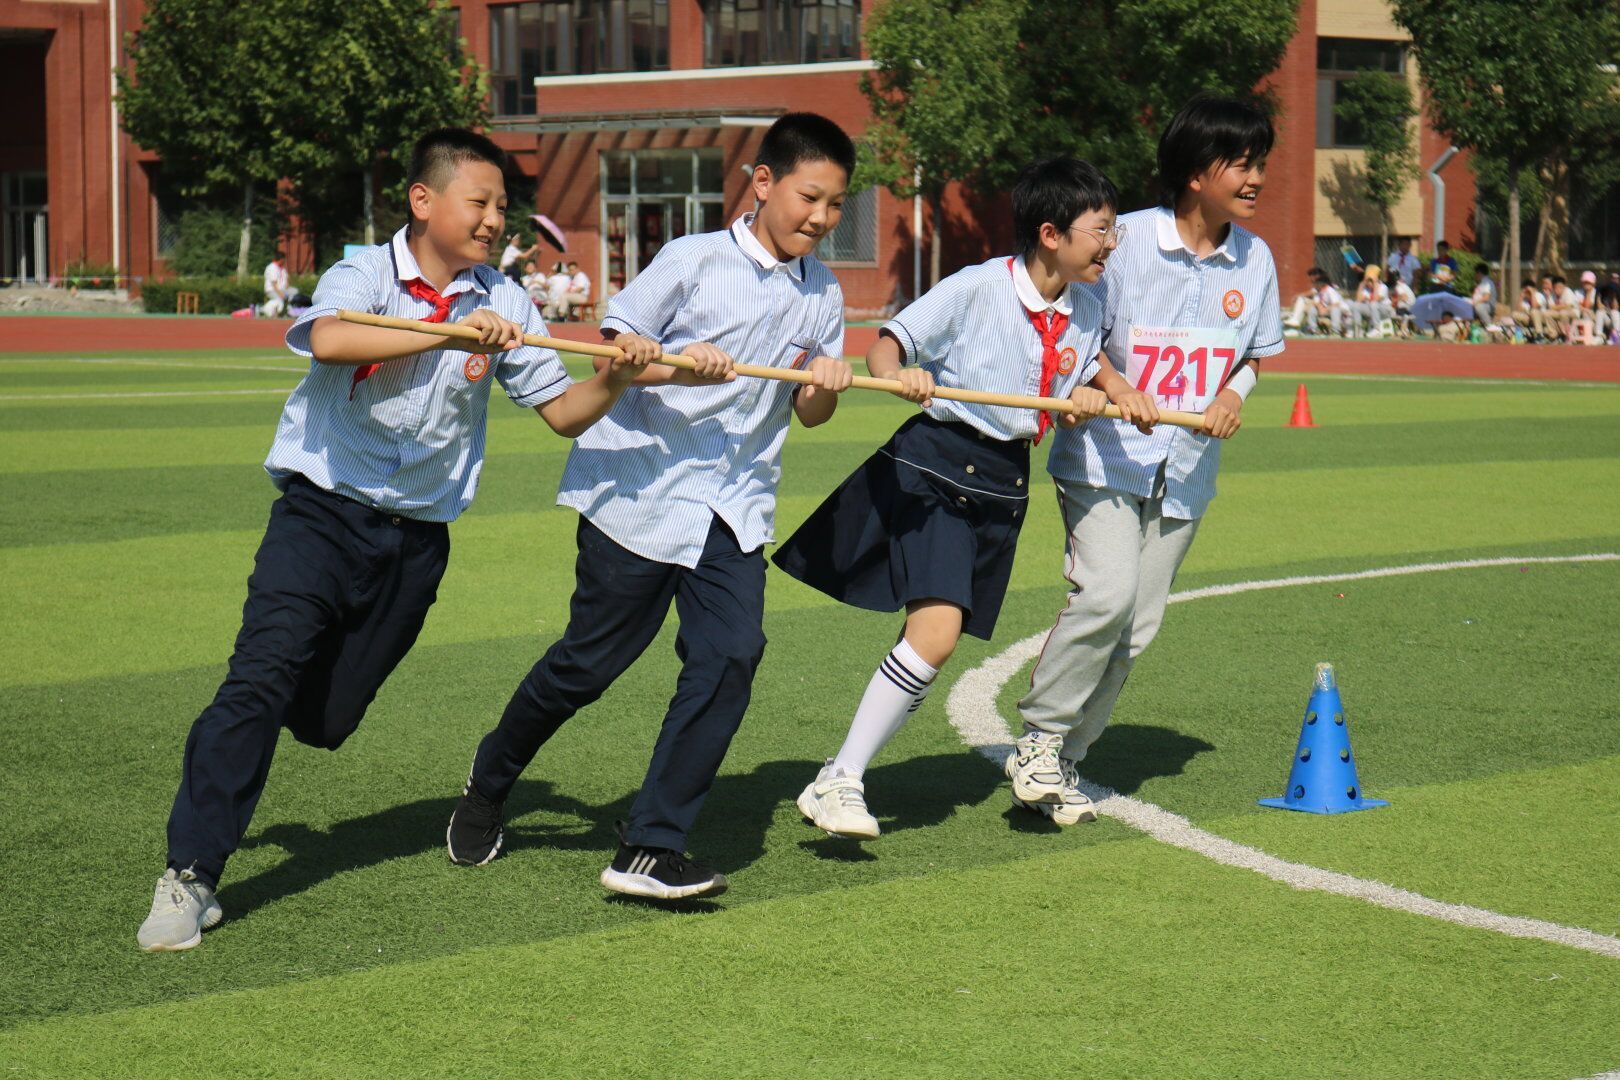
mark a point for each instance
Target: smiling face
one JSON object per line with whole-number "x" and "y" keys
{"x": 1228, "y": 190}
{"x": 798, "y": 208}
{"x": 1081, "y": 251}
{"x": 467, "y": 217}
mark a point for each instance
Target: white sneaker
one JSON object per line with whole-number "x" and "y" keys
{"x": 1075, "y": 807}
{"x": 182, "y": 908}
{"x": 836, "y": 803}
{"x": 1033, "y": 767}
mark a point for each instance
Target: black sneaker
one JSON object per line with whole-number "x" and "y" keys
{"x": 659, "y": 874}
{"x": 474, "y": 835}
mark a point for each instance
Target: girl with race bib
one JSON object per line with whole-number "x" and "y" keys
{"x": 1189, "y": 308}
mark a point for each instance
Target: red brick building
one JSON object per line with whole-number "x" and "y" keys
{"x": 636, "y": 118}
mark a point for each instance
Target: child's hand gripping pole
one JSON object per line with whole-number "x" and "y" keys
{"x": 1194, "y": 421}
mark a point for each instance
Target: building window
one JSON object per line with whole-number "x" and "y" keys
{"x": 745, "y": 33}
{"x": 854, "y": 240}
{"x": 571, "y": 37}
{"x": 650, "y": 197}
{"x": 1339, "y": 59}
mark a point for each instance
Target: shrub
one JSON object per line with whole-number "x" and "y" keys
{"x": 218, "y": 295}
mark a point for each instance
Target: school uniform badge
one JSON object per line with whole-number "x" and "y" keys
{"x": 1232, "y": 303}
{"x": 477, "y": 364}
{"x": 1066, "y": 361}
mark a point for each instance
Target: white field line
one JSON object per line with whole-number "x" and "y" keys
{"x": 149, "y": 363}
{"x": 145, "y": 394}
{"x": 972, "y": 711}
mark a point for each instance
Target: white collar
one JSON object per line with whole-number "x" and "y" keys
{"x": 406, "y": 269}
{"x": 1031, "y": 297}
{"x": 743, "y": 233}
{"x": 1170, "y": 237}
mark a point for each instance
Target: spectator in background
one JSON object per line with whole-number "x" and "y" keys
{"x": 1589, "y": 306}
{"x": 277, "y": 286}
{"x": 534, "y": 283}
{"x": 1609, "y": 297}
{"x": 1484, "y": 297}
{"x": 1532, "y": 302}
{"x": 579, "y": 286}
{"x": 1562, "y": 308}
{"x": 1443, "y": 268}
{"x": 1372, "y": 305}
{"x": 1402, "y": 263}
{"x": 1322, "y": 302}
{"x": 556, "y": 309}
{"x": 1401, "y": 298}
{"x": 512, "y": 258}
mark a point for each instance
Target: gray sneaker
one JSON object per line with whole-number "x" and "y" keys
{"x": 182, "y": 908}
{"x": 1033, "y": 767}
{"x": 1075, "y": 808}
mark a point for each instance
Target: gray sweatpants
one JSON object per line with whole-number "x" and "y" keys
{"x": 1123, "y": 556}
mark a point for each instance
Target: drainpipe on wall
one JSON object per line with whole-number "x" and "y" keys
{"x": 1440, "y": 193}
{"x": 117, "y": 172}
{"x": 916, "y": 232}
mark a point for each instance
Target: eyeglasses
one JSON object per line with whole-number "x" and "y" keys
{"x": 1110, "y": 236}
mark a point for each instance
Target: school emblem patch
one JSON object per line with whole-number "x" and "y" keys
{"x": 1232, "y": 304}
{"x": 1066, "y": 361}
{"x": 477, "y": 364}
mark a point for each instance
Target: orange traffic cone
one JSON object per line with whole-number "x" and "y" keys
{"x": 1302, "y": 409}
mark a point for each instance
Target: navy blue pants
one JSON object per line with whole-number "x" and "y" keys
{"x": 337, "y": 596}
{"x": 619, "y": 603}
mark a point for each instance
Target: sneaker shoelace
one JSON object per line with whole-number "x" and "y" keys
{"x": 178, "y": 893}
{"x": 847, "y": 790}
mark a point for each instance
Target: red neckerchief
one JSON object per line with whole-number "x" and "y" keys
{"x": 1050, "y": 325}
{"x": 441, "y": 311}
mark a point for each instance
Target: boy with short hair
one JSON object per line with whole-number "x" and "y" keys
{"x": 1189, "y": 307}
{"x": 379, "y": 446}
{"x": 676, "y": 491}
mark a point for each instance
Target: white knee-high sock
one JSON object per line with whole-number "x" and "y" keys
{"x": 897, "y": 690}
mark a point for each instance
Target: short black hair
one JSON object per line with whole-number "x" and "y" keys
{"x": 1558, "y": 279}
{"x": 1209, "y": 130}
{"x": 1316, "y": 272}
{"x": 435, "y": 156}
{"x": 1057, "y": 190}
{"x": 802, "y": 137}
{"x": 1443, "y": 244}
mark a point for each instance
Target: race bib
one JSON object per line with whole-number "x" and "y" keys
{"x": 1182, "y": 367}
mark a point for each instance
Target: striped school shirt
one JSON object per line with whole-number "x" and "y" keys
{"x": 409, "y": 438}
{"x": 666, "y": 460}
{"x": 972, "y": 331}
{"x": 1184, "y": 322}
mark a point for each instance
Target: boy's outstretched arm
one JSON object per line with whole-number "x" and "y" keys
{"x": 334, "y": 341}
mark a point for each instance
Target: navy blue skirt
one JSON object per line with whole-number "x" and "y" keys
{"x": 934, "y": 514}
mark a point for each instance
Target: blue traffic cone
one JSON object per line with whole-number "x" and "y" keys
{"x": 1323, "y": 778}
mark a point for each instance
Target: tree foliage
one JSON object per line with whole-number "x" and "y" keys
{"x": 319, "y": 94}
{"x": 972, "y": 91}
{"x": 1380, "y": 105}
{"x": 1515, "y": 85}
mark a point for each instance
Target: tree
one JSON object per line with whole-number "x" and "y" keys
{"x": 372, "y": 78}
{"x": 194, "y": 92}
{"x": 971, "y": 92}
{"x": 1512, "y": 86}
{"x": 1380, "y": 106}
{"x": 943, "y": 98}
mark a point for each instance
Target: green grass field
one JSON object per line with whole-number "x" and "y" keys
{"x": 972, "y": 940}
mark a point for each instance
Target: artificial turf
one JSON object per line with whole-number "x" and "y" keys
{"x": 970, "y": 940}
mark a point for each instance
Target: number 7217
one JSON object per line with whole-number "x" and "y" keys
{"x": 1174, "y": 359}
